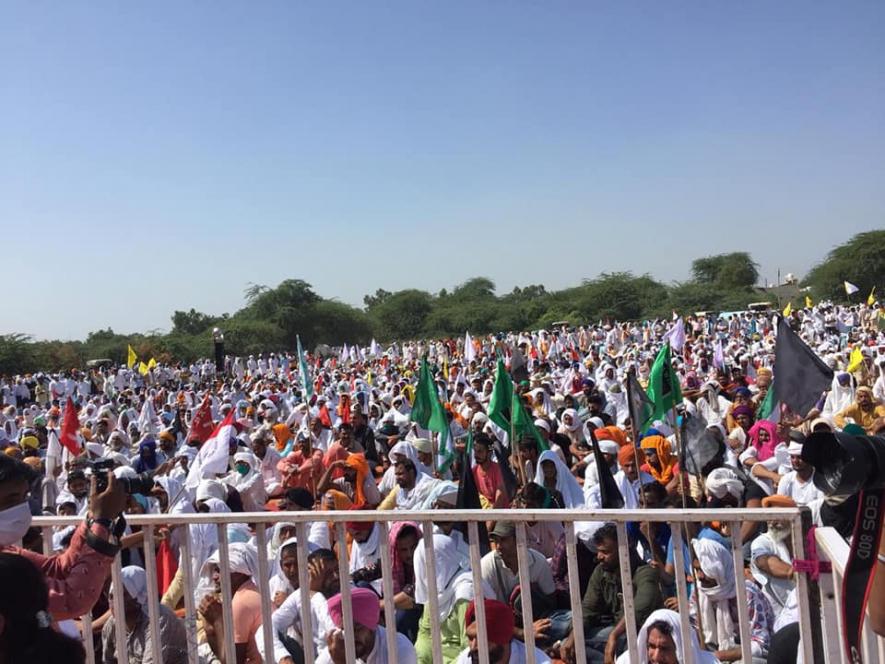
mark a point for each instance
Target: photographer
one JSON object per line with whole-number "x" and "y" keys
{"x": 76, "y": 577}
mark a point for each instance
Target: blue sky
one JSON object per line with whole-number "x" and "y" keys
{"x": 160, "y": 156}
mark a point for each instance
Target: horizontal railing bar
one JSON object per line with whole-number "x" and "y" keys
{"x": 656, "y": 516}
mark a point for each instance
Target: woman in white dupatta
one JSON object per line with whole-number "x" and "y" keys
{"x": 454, "y": 587}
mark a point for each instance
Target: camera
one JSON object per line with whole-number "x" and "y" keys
{"x": 142, "y": 483}
{"x": 845, "y": 464}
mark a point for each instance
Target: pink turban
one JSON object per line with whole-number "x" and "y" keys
{"x": 366, "y": 609}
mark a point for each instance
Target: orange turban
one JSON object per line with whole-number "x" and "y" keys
{"x": 778, "y": 501}
{"x": 628, "y": 454}
{"x": 614, "y": 433}
{"x": 361, "y": 466}
{"x": 667, "y": 461}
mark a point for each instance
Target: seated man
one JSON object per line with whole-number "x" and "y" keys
{"x": 605, "y": 628}
{"x": 864, "y": 411}
{"x": 503, "y": 648}
{"x": 659, "y": 641}
{"x": 412, "y": 487}
{"x": 288, "y": 627}
{"x": 771, "y": 558}
{"x": 370, "y": 639}
{"x": 798, "y": 484}
{"x": 245, "y": 605}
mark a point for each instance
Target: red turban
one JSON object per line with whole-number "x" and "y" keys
{"x": 358, "y": 526}
{"x": 499, "y": 621}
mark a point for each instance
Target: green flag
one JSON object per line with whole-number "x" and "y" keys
{"x": 663, "y": 386}
{"x": 767, "y": 407}
{"x": 429, "y": 413}
{"x": 305, "y": 374}
{"x": 502, "y": 396}
{"x": 524, "y": 424}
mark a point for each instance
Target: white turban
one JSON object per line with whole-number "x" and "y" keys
{"x": 722, "y": 481}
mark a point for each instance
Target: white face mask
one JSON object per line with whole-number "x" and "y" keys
{"x": 14, "y": 523}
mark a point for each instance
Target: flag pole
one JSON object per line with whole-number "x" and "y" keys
{"x": 635, "y": 441}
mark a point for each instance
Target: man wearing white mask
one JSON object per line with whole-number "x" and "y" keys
{"x": 75, "y": 577}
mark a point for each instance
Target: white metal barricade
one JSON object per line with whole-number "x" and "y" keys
{"x": 262, "y": 520}
{"x": 833, "y": 548}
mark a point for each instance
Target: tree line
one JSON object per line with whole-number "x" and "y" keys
{"x": 272, "y": 317}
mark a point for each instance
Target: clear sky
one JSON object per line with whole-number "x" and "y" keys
{"x": 162, "y": 155}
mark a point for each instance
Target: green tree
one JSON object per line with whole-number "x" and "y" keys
{"x": 191, "y": 322}
{"x": 727, "y": 271}
{"x": 861, "y": 261}
{"x": 403, "y": 314}
{"x": 17, "y": 354}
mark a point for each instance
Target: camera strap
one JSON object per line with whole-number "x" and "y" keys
{"x": 858, "y": 577}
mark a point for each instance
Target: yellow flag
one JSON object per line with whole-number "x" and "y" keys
{"x": 871, "y": 300}
{"x": 808, "y": 302}
{"x": 788, "y": 309}
{"x": 132, "y": 358}
{"x": 151, "y": 363}
{"x": 142, "y": 368}
{"x": 856, "y": 359}
{"x": 445, "y": 368}
{"x": 369, "y": 377}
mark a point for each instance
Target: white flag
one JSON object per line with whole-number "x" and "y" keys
{"x": 469, "y": 350}
{"x": 214, "y": 454}
{"x": 147, "y": 419}
{"x": 850, "y": 288}
{"x": 676, "y": 335}
{"x": 345, "y": 354}
{"x": 374, "y": 349}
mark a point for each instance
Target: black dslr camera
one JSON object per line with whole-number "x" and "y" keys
{"x": 845, "y": 464}
{"x": 140, "y": 484}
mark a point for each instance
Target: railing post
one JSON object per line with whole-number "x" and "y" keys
{"x": 478, "y": 595}
{"x": 307, "y": 643}
{"x": 387, "y": 590}
{"x": 808, "y": 592}
{"x": 627, "y": 590}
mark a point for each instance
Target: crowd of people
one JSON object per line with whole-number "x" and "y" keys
{"x": 337, "y": 432}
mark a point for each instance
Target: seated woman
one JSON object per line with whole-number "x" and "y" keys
{"x": 556, "y": 477}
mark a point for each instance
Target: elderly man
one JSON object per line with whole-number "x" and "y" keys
{"x": 771, "y": 558}
{"x": 864, "y": 411}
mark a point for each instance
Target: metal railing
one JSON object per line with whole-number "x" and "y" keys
{"x": 832, "y": 547}
{"x": 811, "y": 638}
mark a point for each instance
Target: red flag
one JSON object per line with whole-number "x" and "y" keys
{"x": 325, "y": 417}
{"x": 343, "y": 409}
{"x": 167, "y": 566}
{"x": 202, "y": 425}
{"x": 70, "y": 429}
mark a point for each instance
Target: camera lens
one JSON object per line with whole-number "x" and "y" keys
{"x": 845, "y": 464}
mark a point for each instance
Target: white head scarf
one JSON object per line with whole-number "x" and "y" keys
{"x": 672, "y": 619}
{"x": 717, "y": 565}
{"x": 179, "y": 500}
{"x": 576, "y": 421}
{"x": 454, "y": 580}
{"x": 135, "y": 583}
{"x": 243, "y": 559}
{"x": 365, "y": 553}
{"x": 566, "y": 484}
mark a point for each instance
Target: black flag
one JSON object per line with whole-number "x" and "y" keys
{"x": 518, "y": 369}
{"x": 641, "y": 407}
{"x": 800, "y": 376}
{"x": 468, "y": 499}
{"x": 608, "y": 491}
